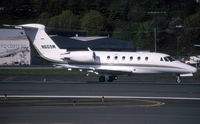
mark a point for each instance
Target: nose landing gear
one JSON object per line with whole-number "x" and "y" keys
{"x": 178, "y": 79}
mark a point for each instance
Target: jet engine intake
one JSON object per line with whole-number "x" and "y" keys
{"x": 81, "y": 56}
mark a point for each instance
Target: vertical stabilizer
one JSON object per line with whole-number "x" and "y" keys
{"x": 44, "y": 45}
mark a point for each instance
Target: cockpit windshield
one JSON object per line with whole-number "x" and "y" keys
{"x": 169, "y": 58}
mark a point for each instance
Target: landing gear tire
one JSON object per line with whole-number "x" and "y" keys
{"x": 102, "y": 79}
{"x": 107, "y": 78}
{"x": 178, "y": 79}
{"x": 112, "y": 78}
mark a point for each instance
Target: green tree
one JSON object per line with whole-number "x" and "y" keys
{"x": 118, "y": 10}
{"x": 136, "y": 13}
{"x": 125, "y": 31}
{"x": 144, "y": 36}
{"x": 75, "y": 6}
{"x": 93, "y": 22}
{"x": 53, "y": 22}
{"x": 68, "y": 20}
{"x": 54, "y": 7}
{"x": 191, "y": 34}
{"x": 44, "y": 18}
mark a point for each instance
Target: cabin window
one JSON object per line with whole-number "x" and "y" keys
{"x": 131, "y": 58}
{"x": 166, "y": 59}
{"x": 108, "y": 57}
{"x": 171, "y": 59}
{"x": 116, "y": 57}
{"x": 146, "y": 58}
{"x": 161, "y": 59}
{"x": 123, "y": 58}
{"x": 138, "y": 58}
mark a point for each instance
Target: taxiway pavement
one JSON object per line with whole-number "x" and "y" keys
{"x": 112, "y": 111}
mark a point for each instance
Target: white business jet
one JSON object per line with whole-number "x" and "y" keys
{"x": 106, "y": 63}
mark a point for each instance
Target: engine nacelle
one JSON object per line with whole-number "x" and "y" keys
{"x": 81, "y": 56}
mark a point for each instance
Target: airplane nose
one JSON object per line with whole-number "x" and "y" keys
{"x": 192, "y": 69}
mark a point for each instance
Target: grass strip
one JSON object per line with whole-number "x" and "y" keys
{"x": 38, "y": 72}
{"x": 46, "y": 72}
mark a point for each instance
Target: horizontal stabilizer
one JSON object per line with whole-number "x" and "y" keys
{"x": 13, "y": 26}
{"x": 33, "y": 26}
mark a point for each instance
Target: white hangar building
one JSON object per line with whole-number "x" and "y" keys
{"x": 14, "y": 47}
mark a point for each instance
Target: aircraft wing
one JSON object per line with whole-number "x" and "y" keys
{"x": 97, "y": 68}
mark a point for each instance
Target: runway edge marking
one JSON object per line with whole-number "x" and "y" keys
{"x": 94, "y": 97}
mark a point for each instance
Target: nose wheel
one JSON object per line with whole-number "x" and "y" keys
{"x": 178, "y": 79}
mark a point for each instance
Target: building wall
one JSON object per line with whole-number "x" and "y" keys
{"x": 14, "y": 47}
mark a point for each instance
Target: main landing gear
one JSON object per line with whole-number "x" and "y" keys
{"x": 107, "y": 78}
{"x": 178, "y": 79}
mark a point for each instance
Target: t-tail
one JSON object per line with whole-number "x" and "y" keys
{"x": 44, "y": 45}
